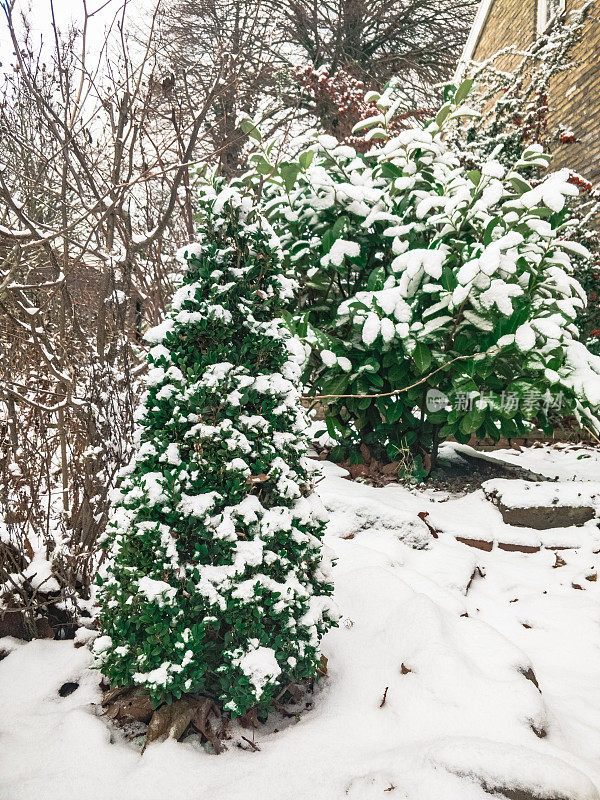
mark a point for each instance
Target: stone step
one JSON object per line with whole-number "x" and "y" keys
{"x": 543, "y": 505}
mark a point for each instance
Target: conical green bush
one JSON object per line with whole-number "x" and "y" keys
{"x": 215, "y": 581}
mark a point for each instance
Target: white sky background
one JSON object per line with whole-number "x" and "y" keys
{"x": 67, "y": 14}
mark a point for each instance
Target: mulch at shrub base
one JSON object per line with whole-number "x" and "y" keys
{"x": 134, "y": 713}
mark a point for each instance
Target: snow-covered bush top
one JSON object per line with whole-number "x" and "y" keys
{"x": 410, "y": 264}
{"x": 215, "y": 582}
{"x": 518, "y": 107}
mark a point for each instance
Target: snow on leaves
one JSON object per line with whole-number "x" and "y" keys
{"x": 410, "y": 261}
{"x": 215, "y": 582}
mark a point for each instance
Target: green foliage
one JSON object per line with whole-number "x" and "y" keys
{"x": 420, "y": 274}
{"x": 215, "y": 581}
{"x": 517, "y": 110}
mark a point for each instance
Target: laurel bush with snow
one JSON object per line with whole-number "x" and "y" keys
{"x": 518, "y": 108}
{"x": 215, "y": 581}
{"x": 417, "y": 272}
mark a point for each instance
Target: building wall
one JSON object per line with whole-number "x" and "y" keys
{"x": 508, "y": 22}
{"x": 574, "y": 98}
{"x": 575, "y": 101}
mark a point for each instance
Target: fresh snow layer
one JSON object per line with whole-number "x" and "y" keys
{"x": 526, "y": 494}
{"x": 260, "y": 666}
{"x": 455, "y": 635}
{"x": 566, "y": 462}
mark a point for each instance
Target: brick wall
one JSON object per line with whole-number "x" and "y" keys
{"x": 509, "y": 22}
{"x": 575, "y": 101}
{"x": 574, "y": 98}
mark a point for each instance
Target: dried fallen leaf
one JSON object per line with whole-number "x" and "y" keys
{"x": 201, "y": 722}
{"x": 257, "y": 478}
{"x": 181, "y": 716}
{"x": 358, "y": 470}
{"x": 159, "y": 725}
{"x": 296, "y": 692}
{"x": 112, "y": 694}
{"x": 170, "y": 720}
{"x": 136, "y": 706}
{"x": 249, "y": 719}
{"x": 391, "y": 468}
{"x": 365, "y": 453}
{"x": 322, "y": 666}
{"x": 423, "y": 515}
{"x": 125, "y": 703}
{"x": 530, "y": 675}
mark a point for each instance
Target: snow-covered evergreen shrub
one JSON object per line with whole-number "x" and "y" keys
{"x": 516, "y": 107}
{"x": 420, "y": 273}
{"x": 215, "y": 581}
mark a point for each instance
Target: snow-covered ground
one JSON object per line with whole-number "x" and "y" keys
{"x": 455, "y": 638}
